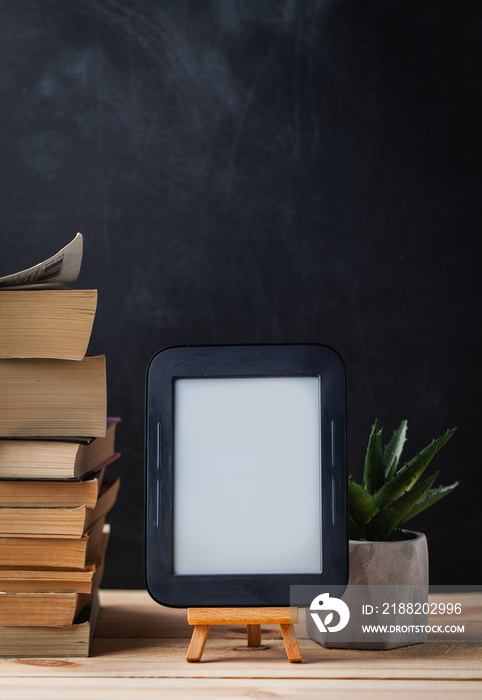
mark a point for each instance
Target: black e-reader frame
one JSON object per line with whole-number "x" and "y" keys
{"x": 243, "y": 362}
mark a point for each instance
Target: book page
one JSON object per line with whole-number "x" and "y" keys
{"x": 62, "y": 267}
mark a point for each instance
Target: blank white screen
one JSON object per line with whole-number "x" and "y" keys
{"x": 247, "y": 491}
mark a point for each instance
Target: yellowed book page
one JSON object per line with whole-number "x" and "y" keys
{"x": 50, "y": 494}
{"x": 48, "y": 609}
{"x": 42, "y": 522}
{"x": 50, "y": 398}
{"x": 46, "y": 580}
{"x": 47, "y": 323}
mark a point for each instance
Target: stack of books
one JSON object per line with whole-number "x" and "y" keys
{"x": 55, "y": 444}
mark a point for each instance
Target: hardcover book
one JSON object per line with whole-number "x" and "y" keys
{"x": 58, "y": 522}
{"x": 45, "y": 642}
{"x": 52, "y": 552}
{"x": 56, "y": 459}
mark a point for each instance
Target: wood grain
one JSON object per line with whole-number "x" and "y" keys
{"x": 254, "y": 635}
{"x": 234, "y": 689}
{"x": 291, "y": 643}
{"x": 198, "y": 642}
{"x": 240, "y": 616}
{"x": 140, "y": 651}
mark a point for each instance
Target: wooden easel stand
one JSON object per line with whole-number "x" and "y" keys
{"x": 203, "y": 618}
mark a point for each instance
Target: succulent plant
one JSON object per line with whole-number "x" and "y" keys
{"x": 390, "y": 495}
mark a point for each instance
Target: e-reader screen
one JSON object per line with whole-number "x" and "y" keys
{"x": 246, "y": 475}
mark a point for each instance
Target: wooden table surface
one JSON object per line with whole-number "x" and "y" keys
{"x": 140, "y": 647}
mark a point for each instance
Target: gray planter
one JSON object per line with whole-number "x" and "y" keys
{"x": 390, "y": 581}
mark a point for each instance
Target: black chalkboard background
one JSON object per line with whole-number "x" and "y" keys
{"x": 263, "y": 171}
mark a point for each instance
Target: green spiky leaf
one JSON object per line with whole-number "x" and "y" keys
{"x": 373, "y": 475}
{"x": 354, "y": 531}
{"x": 431, "y": 497}
{"x": 393, "y": 450}
{"x": 391, "y": 470}
{"x": 384, "y": 522}
{"x": 407, "y": 476}
{"x": 361, "y": 504}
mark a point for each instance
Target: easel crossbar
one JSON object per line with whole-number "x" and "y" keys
{"x": 242, "y": 616}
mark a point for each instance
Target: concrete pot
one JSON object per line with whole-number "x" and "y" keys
{"x": 385, "y": 579}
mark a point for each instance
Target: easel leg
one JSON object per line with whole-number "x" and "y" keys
{"x": 253, "y": 618}
{"x": 198, "y": 642}
{"x": 254, "y": 635}
{"x": 291, "y": 643}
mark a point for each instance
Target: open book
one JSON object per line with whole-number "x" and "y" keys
{"x": 61, "y": 268}
{"x": 40, "y": 316}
